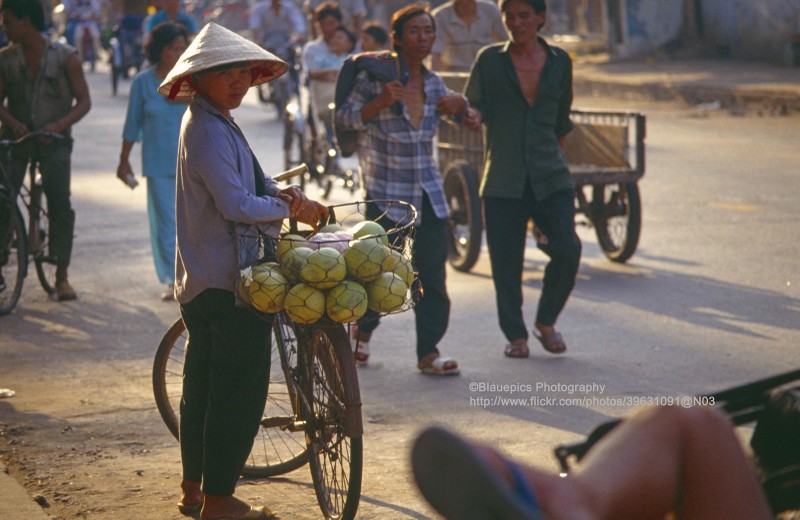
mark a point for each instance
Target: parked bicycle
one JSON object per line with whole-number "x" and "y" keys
{"x": 313, "y": 409}
{"x": 305, "y": 142}
{"x": 21, "y": 239}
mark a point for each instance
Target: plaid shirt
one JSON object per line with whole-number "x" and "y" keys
{"x": 396, "y": 159}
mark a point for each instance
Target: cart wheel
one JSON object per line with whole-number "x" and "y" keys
{"x": 465, "y": 222}
{"x": 616, "y": 212}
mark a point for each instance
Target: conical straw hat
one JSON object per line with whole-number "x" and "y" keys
{"x": 215, "y": 46}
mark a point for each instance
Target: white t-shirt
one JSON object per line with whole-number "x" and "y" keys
{"x": 459, "y": 44}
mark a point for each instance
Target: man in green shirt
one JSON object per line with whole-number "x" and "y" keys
{"x": 520, "y": 92}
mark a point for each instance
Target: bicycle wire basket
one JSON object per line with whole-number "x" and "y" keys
{"x": 358, "y": 264}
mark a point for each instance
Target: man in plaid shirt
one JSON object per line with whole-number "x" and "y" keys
{"x": 398, "y": 121}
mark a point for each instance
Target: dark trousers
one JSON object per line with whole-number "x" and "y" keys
{"x": 429, "y": 257}
{"x": 225, "y": 383}
{"x": 506, "y": 230}
{"x": 55, "y": 165}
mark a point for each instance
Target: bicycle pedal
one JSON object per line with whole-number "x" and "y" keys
{"x": 277, "y": 422}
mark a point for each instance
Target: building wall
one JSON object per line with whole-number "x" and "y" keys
{"x": 750, "y": 29}
{"x": 741, "y": 29}
{"x": 649, "y": 24}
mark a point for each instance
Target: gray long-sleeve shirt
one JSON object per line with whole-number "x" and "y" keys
{"x": 215, "y": 192}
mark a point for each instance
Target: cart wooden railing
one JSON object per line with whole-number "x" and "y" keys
{"x": 606, "y": 156}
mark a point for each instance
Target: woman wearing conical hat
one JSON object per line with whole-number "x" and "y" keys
{"x": 220, "y": 186}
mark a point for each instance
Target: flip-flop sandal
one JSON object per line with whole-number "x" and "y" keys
{"x": 553, "y": 343}
{"x": 255, "y": 513}
{"x": 437, "y": 367}
{"x": 516, "y": 351}
{"x": 461, "y": 485}
{"x": 190, "y": 509}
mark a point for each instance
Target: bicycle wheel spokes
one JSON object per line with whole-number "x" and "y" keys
{"x": 13, "y": 256}
{"x": 168, "y": 375}
{"x": 334, "y": 456}
{"x": 279, "y": 446}
{"x": 39, "y": 240}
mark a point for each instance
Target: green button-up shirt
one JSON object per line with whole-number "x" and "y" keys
{"x": 521, "y": 140}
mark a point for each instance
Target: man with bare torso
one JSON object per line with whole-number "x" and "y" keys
{"x": 42, "y": 87}
{"x": 398, "y": 121}
{"x": 520, "y": 91}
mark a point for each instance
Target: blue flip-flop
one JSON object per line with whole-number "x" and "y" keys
{"x": 461, "y": 485}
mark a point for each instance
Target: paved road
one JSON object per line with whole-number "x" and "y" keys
{"x": 710, "y": 300}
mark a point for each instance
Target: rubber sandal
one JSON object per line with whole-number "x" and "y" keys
{"x": 255, "y": 513}
{"x": 189, "y": 509}
{"x": 461, "y": 485}
{"x": 552, "y": 342}
{"x": 516, "y": 351}
{"x": 437, "y": 367}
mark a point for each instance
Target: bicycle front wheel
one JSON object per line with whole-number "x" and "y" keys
{"x": 39, "y": 239}
{"x": 13, "y": 256}
{"x": 333, "y": 419}
{"x": 278, "y": 447}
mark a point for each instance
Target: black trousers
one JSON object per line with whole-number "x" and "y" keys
{"x": 225, "y": 383}
{"x": 506, "y": 230}
{"x": 55, "y": 164}
{"x": 429, "y": 257}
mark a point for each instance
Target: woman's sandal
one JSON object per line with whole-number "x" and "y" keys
{"x": 190, "y": 509}
{"x": 460, "y": 483}
{"x": 434, "y": 364}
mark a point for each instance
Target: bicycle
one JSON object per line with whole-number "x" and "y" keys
{"x": 313, "y": 410}
{"x": 19, "y": 242}
{"x": 304, "y": 143}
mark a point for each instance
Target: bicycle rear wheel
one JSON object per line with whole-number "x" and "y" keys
{"x": 278, "y": 447}
{"x": 13, "y": 256}
{"x": 333, "y": 419}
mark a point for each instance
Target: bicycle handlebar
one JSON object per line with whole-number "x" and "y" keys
{"x": 294, "y": 172}
{"x": 31, "y": 135}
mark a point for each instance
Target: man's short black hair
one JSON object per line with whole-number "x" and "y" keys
{"x": 376, "y": 30}
{"x": 32, "y": 9}
{"x": 538, "y": 5}
{"x": 327, "y": 9}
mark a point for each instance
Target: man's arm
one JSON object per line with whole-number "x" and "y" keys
{"x": 83, "y": 103}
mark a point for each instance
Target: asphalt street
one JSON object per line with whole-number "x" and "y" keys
{"x": 710, "y": 300}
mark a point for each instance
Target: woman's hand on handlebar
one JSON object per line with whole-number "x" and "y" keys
{"x": 302, "y": 208}
{"x": 311, "y": 212}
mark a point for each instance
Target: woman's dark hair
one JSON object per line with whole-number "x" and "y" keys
{"x": 401, "y": 16}
{"x": 162, "y": 36}
{"x": 327, "y": 9}
{"x": 378, "y": 33}
{"x": 32, "y": 9}
{"x": 539, "y": 6}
